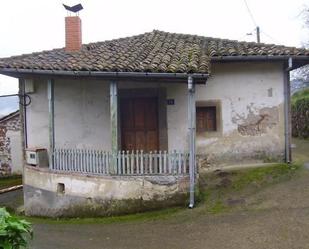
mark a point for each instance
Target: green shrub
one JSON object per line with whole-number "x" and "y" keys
{"x": 300, "y": 117}
{"x": 300, "y": 95}
{"x": 14, "y": 232}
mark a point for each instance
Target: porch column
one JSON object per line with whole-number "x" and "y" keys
{"x": 114, "y": 125}
{"x": 191, "y": 124}
{"x": 51, "y": 120}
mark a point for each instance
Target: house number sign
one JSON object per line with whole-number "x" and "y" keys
{"x": 171, "y": 102}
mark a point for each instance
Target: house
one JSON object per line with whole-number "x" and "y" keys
{"x": 127, "y": 123}
{"x": 11, "y": 152}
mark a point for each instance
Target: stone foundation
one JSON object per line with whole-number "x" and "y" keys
{"x": 73, "y": 195}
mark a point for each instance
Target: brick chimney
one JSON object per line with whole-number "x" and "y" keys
{"x": 73, "y": 33}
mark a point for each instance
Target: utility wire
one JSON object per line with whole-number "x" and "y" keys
{"x": 258, "y": 37}
{"x": 250, "y": 13}
{"x": 271, "y": 37}
{"x": 257, "y": 29}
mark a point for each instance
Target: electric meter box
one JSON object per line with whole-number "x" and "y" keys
{"x": 37, "y": 157}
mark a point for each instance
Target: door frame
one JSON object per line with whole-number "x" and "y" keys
{"x": 160, "y": 94}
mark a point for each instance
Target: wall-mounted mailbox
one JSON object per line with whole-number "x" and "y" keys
{"x": 37, "y": 157}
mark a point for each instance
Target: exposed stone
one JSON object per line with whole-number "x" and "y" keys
{"x": 257, "y": 124}
{"x": 10, "y": 122}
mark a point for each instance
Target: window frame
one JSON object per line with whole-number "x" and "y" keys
{"x": 209, "y": 116}
{"x": 211, "y": 103}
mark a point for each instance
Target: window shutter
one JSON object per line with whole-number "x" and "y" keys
{"x": 206, "y": 118}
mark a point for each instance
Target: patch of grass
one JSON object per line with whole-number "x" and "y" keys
{"x": 217, "y": 207}
{"x": 141, "y": 217}
{"x": 222, "y": 191}
{"x": 10, "y": 181}
{"x": 259, "y": 177}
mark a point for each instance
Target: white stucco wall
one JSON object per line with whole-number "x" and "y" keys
{"x": 177, "y": 117}
{"x": 37, "y": 116}
{"x": 82, "y": 111}
{"x": 241, "y": 85}
{"x": 243, "y": 91}
{"x": 82, "y": 114}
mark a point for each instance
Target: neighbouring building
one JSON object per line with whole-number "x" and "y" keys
{"x": 123, "y": 121}
{"x": 11, "y": 152}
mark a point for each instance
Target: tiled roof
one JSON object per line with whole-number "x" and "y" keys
{"x": 155, "y": 51}
{"x": 8, "y": 116}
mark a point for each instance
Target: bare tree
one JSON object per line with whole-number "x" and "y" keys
{"x": 303, "y": 72}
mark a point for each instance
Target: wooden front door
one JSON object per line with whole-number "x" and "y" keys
{"x": 139, "y": 124}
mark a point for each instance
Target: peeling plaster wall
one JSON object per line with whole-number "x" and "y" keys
{"x": 251, "y": 96}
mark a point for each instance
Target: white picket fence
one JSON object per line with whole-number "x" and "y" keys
{"x": 127, "y": 162}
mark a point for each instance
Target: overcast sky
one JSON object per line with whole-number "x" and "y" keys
{"x": 35, "y": 25}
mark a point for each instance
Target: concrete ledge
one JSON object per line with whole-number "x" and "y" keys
{"x": 52, "y": 194}
{"x": 237, "y": 167}
{"x": 2, "y": 191}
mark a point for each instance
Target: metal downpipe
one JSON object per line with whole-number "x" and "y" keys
{"x": 287, "y": 110}
{"x": 191, "y": 121}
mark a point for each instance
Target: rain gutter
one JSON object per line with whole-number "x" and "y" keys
{"x": 104, "y": 74}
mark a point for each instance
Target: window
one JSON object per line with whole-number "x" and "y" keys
{"x": 206, "y": 118}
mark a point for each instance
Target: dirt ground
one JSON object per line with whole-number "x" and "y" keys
{"x": 278, "y": 219}
{"x": 275, "y": 217}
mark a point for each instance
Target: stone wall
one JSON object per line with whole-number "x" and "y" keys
{"x": 8, "y": 125}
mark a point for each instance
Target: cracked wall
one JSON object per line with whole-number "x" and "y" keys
{"x": 252, "y": 119}
{"x": 257, "y": 124}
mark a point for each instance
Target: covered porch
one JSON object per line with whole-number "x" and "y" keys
{"x": 142, "y": 132}
{"x": 144, "y": 135}
{"x": 137, "y": 143}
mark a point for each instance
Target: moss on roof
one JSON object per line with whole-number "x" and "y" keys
{"x": 156, "y": 51}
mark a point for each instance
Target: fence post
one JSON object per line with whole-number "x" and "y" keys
{"x": 51, "y": 120}
{"x": 114, "y": 125}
